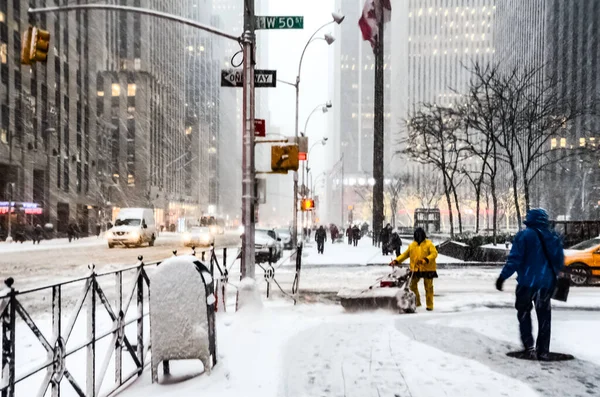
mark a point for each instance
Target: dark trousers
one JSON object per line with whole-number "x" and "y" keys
{"x": 320, "y": 246}
{"x": 384, "y": 247}
{"x": 355, "y": 242}
{"x": 349, "y": 240}
{"x": 526, "y": 298}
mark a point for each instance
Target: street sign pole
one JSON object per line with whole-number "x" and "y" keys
{"x": 248, "y": 174}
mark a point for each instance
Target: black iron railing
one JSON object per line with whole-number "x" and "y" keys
{"x": 128, "y": 308}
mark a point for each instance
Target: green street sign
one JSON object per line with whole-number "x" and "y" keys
{"x": 279, "y": 22}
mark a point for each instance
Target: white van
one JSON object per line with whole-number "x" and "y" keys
{"x": 133, "y": 227}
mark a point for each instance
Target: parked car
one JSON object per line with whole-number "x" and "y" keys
{"x": 198, "y": 236}
{"x": 583, "y": 261}
{"x": 286, "y": 238}
{"x": 278, "y": 243}
{"x": 133, "y": 227}
{"x": 264, "y": 245}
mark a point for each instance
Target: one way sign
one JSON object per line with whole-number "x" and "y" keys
{"x": 235, "y": 78}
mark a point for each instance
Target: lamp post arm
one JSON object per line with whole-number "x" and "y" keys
{"x": 310, "y": 115}
{"x": 306, "y": 46}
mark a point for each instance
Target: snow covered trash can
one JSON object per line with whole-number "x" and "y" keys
{"x": 182, "y": 314}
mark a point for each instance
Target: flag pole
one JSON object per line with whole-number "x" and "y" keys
{"x": 378, "y": 135}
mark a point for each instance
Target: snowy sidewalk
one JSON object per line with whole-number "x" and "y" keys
{"x": 318, "y": 350}
{"x": 53, "y": 244}
{"x": 343, "y": 254}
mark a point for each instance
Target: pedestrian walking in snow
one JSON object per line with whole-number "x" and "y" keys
{"x": 320, "y": 238}
{"x": 422, "y": 254}
{"x": 38, "y": 233}
{"x": 537, "y": 257}
{"x": 355, "y": 235}
{"x": 384, "y": 238}
{"x": 395, "y": 244}
{"x": 71, "y": 231}
{"x": 349, "y": 234}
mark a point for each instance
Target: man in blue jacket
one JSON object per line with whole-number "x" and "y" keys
{"x": 535, "y": 279}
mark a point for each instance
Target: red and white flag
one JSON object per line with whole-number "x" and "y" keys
{"x": 373, "y": 12}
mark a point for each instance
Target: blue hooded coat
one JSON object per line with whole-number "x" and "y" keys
{"x": 527, "y": 257}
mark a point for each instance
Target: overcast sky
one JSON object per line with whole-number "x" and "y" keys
{"x": 285, "y": 48}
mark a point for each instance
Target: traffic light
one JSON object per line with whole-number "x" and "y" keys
{"x": 284, "y": 158}
{"x": 40, "y": 43}
{"x": 26, "y": 47}
{"x": 307, "y": 204}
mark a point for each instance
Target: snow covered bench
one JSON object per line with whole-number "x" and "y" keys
{"x": 182, "y": 314}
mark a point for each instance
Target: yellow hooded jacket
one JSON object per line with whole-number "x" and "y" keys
{"x": 417, "y": 252}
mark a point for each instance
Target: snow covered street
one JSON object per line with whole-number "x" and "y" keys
{"x": 317, "y": 349}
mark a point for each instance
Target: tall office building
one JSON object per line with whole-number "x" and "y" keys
{"x": 48, "y": 128}
{"x": 141, "y": 110}
{"x": 229, "y": 16}
{"x": 563, "y": 38}
{"x": 428, "y": 44}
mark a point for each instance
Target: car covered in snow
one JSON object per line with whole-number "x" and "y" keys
{"x": 198, "y": 236}
{"x": 583, "y": 261}
{"x": 286, "y": 238}
{"x": 265, "y": 244}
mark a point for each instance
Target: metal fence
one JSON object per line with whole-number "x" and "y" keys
{"x": 129, "y": 307}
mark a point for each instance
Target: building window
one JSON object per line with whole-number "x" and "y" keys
{"x": 188, "y": 131}
{"x": 563, "y": 142}
{"x": 100, "y": 93}
{"x": 116, "y": 90}
{"x": 2, "y": 17}
{"x": 3, "y": 53}
{"x": 581, "y": 141}
{"x": 130, "y": 180}
{"x": 131, "y": 89}
{"x": 553, "y": 143}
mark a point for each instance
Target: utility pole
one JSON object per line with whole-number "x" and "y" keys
{"x": 248, "y": 174}
{"x": 11, "y": 184}
{"x": 378, "y": 136}
{"x": 342, "y": 192}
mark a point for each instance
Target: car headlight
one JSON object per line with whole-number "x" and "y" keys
{"x": 135, "y": 235}
{"x": 109, "y": 234}
{"x": 187, "y": 237}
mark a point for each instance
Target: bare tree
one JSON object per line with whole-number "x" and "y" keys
{"x": 398, "y": 182}
{"x": 480, "y": 118}
{"x": 532, "y": 112}
{"x": 432, "y": 139}
{"x": 429, "y": 190}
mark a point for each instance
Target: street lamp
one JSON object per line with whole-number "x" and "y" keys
{"x": 324, "y": 108}
{"x": 329, "y": 39}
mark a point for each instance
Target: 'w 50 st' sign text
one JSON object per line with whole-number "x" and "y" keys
{"x": 279, "y": 22}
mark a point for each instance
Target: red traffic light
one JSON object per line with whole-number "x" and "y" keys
{"x": 302, "y": 156}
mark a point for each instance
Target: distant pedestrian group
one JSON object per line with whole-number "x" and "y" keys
{"x": 353, "y": 234}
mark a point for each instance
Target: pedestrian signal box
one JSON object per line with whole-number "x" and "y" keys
{"x": 307, "y": 204}
{"x": 284, "y": 158}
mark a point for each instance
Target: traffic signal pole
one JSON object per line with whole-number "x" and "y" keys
{"x": 248, "y": 174}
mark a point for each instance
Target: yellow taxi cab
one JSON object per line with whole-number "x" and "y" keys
{"x": 583, "y": 261}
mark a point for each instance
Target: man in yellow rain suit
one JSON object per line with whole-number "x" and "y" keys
{"x": 422, "y": 254}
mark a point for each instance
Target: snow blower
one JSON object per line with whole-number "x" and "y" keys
{"x": 388, "y": 292}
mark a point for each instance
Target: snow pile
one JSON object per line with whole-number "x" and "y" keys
{"x": 249, "y": 296}
{"x": 178, "y": 314}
